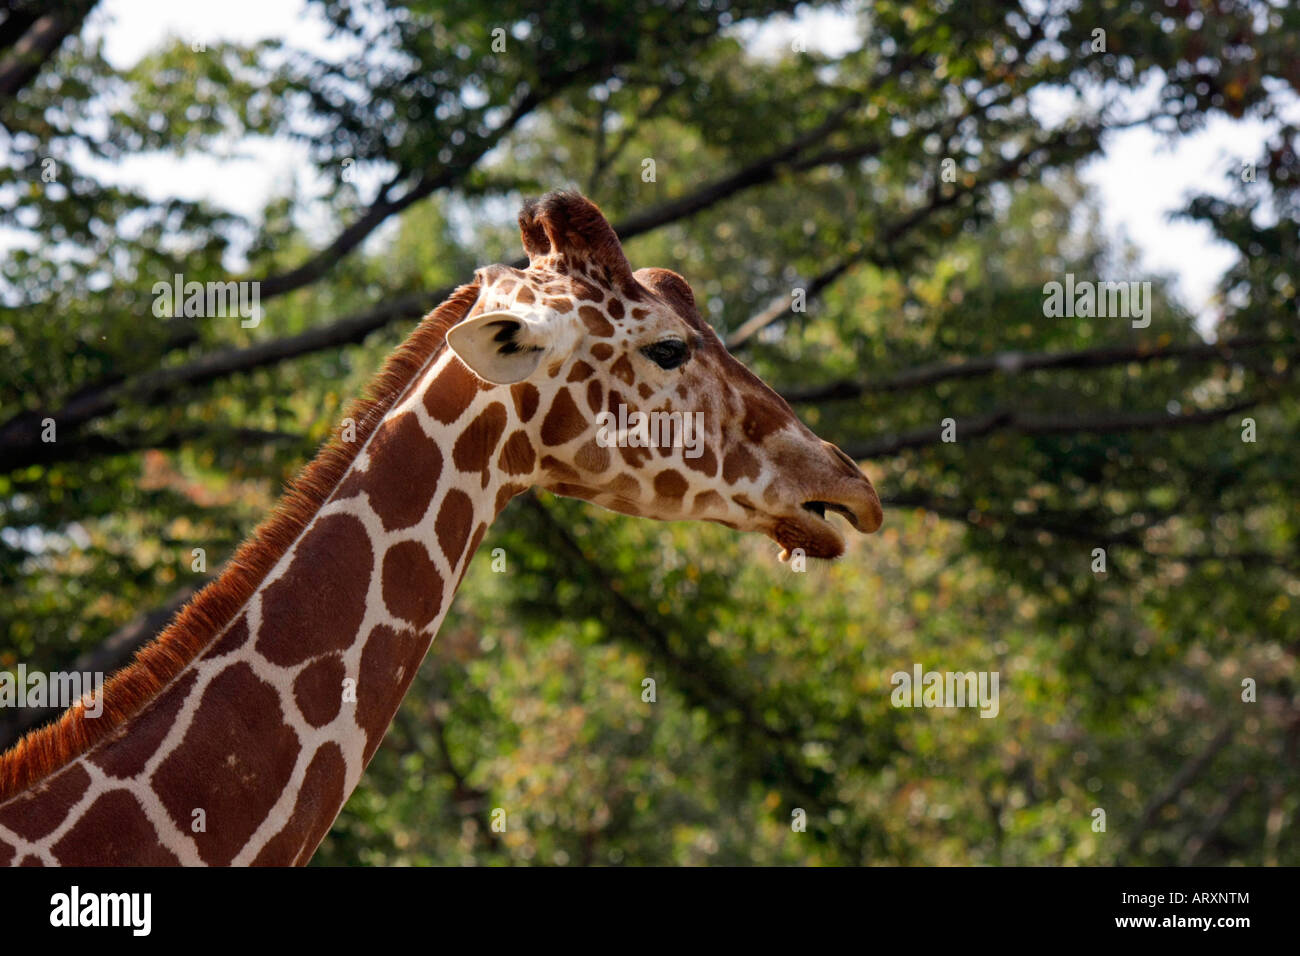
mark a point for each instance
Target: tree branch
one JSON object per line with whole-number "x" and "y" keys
{"x": 1196, "y": 845}
{"x": 1032, "y": 424}
{"x": 606, "y": 156}
{"x": 763, "y": 170}
{"x": 986, "y": 520}
{"x": 20, "y": 436}
{"x": 87, "y": 447}
{"x": 1180, "y": 782}
{"x": 1012, "y": 363}
{"x": 383, "y": 207}
{"x": 880, "y": 249}
{"x": 40, "y": 41}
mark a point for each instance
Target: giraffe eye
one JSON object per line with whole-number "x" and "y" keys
{"x": 667, "y": 354}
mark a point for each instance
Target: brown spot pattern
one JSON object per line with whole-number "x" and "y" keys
{"x": 232, "y": 640}
{"x": 412, "y": 585}
{"x": 563, "y": 421}
{"x": 670, "y": 484}
{"x": 635, "y": 457}
{"x": 596, "y": 323}
{"x": 580, "y": 372}
{"x": 319, "y": 800}
{"x": 505, "y": 493}
{"x": 215, "y": 769}
{"x": 591, "y": 457}
{"x": 350, "y": 486}
{"x": 127, "y": 756}
{"x": 451, "y": 392}
{"x": 557, "y": 469}
{"x": 706, "y": 464}
{"x": 625, "y": 486}
{"x": 517, "y": 455}
{"x": 587, "y": 291}
{"x": 622, "y": 369}
{"x": 318, "y": 690}
{"x": 761, "y": 419}
{"x": 452, "y": 526}
{"x": 317, "y": 605}
{"x": 114, "y": 832}
{"x": 525, "y": 397}
{"x": 388, "y": 664}
{"x": 404, "y": 467}
{"x": 473, "y": 449}
{"x": 39, "y": 811}
{"x": 739, "y": 463}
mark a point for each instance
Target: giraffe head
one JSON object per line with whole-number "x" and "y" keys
{"x": 633, "y": 402}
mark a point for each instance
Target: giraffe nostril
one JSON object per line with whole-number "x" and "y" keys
{"x": 843, "y": 457}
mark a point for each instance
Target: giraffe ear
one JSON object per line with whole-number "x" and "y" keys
{"x": 500, "y": 347}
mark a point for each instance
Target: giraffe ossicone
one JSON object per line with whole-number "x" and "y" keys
{"x": 237, "y": 735}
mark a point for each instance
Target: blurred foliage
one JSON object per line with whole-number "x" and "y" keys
{"x": 773, "y": 688}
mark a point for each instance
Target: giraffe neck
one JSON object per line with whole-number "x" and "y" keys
{"x": 249, "y": 753}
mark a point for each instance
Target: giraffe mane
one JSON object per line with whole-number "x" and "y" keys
{"x": 43, "y": 751}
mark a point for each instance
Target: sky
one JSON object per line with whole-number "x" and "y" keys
{"x": 1138, "y": 180}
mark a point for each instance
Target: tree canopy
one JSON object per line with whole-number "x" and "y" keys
{"x": 874, "y": 232}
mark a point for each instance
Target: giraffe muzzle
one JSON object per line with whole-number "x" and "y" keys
{"x": 812, "y": 531}
{"x": 861, "y": 508}
{"x": 832, "y": 486}
{"x": 849, "y": 494}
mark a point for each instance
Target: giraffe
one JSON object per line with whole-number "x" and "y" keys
{"x": 236, "y": 736}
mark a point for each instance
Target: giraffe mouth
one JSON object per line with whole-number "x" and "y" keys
{"x": 810, "y": 531}
{"x": 819, "y": 508}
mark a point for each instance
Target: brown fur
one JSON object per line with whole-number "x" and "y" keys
{"x": 45, "y": 750}
{"x": 571, "y": 227}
